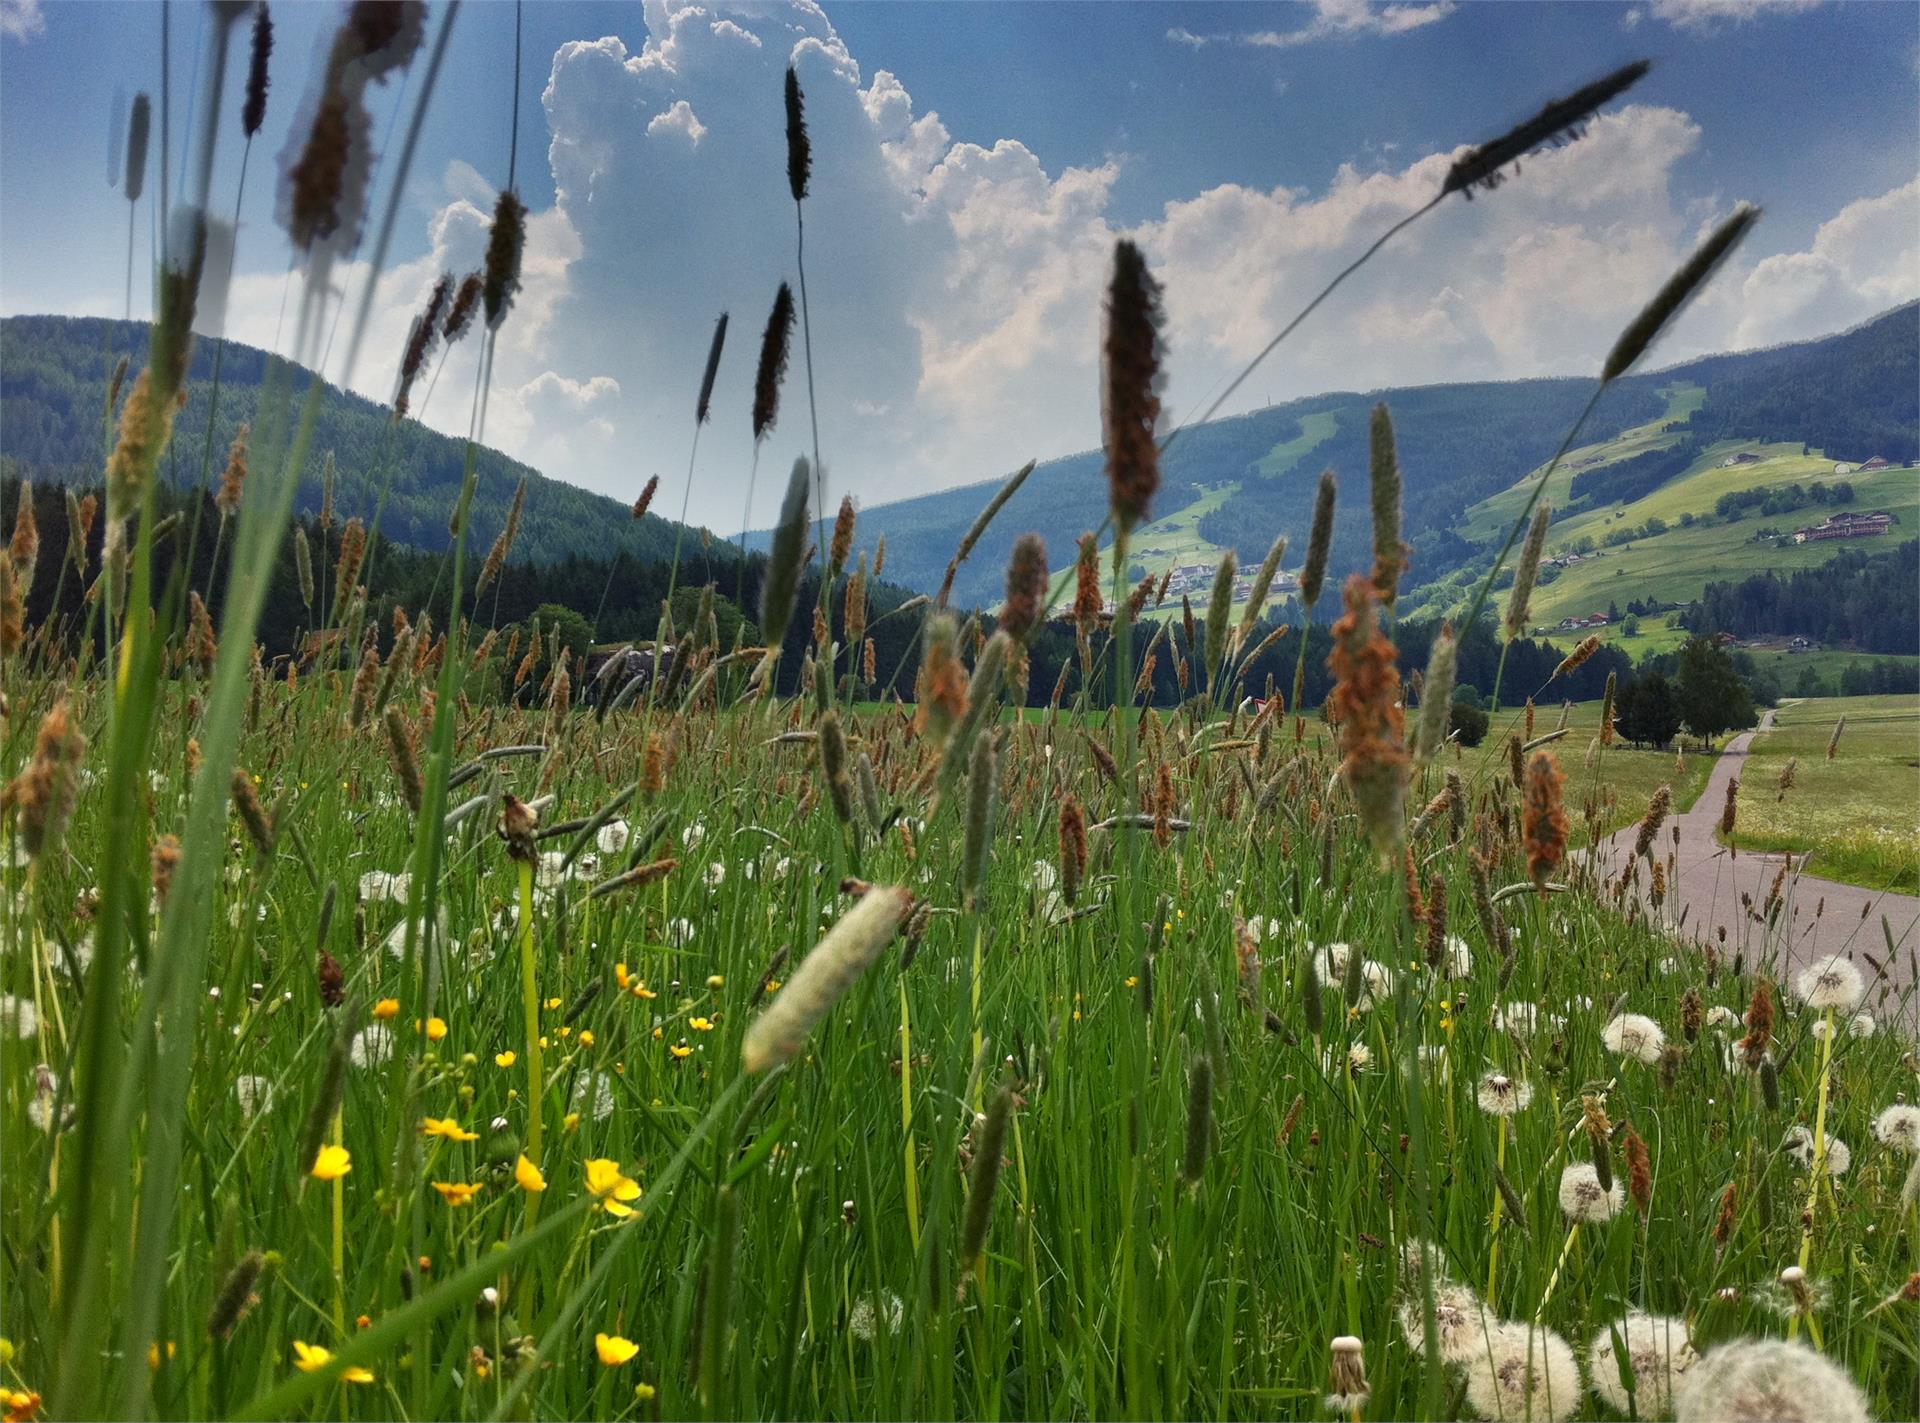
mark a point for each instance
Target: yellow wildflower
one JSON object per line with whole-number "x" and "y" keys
{"x": 447, "y": 1127}
{"x": 528, "y": 1175}
{"x": 505, "y": 1059}
{"x": 459, "y": 1193}
{"x": 311, "y": 1359}
{"x": 332, "y": 1163}
{"x": 614, "y": 1351}
{"x": 436, "y": 1029}
{"x": 386, "y": 1008}
{"x": 700, "y": 1025}
{"x": 586, "y": 1037}
{"x": 680, "y": 1050}
{"x": 610, "y": 1187}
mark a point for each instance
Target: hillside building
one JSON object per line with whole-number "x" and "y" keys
{"x": 1847, "y": 526}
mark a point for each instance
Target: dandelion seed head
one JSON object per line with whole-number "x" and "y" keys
{"x": 1500, "y": 1096}
{"x": 876, "y": 1314}
{"x": 1517, "y": 1371}
{"x": 612, "y": 837}
{"x": 1660, "y": 1356}
{"x": 1765, "y": 1380}
{"x": 1800, "y": 1146}
{"x": 371, "y": 1046}
{"x": 1636, "y": 1036}
{"x": 593, "y": 1096}
{"x": 1899, "y": 1127}
{"x": 1830, "y": 982}
{"x": 1584, "y": 1200}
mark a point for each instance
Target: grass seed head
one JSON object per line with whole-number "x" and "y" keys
{"x": 1131, "y": 354}
{"x": 799, "y": 146}
{"x": 848, "y": 950}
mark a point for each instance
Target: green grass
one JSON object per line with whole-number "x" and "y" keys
{"x": 1858, "y": 814}
{"x": 1315, "y": 430}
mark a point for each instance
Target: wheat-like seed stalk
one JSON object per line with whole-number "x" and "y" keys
{"x": 1131, "y": 353}
{"x": 824, "y": 975}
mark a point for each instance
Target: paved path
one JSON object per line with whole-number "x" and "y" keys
{"x": 1820, "y": 916}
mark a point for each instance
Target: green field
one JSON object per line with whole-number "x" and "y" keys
{"x": 1859, "y": 814}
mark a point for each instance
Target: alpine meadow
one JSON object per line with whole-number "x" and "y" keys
{"x": 1327, "y": 905}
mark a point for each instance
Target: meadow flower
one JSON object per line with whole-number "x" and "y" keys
{"x": 1764, "y": 1380}
{"x": 19, "y": 1015}
{"x": 1045, "y": 876}
{"x": 613, "y": 1350}
{"x": 527, "y": 1176}
{"x": 594, "y": 1093}
{"x": 1457, "y": 962}
{"x": 1657, "y": 1349}
{"x": 612, "y": 837}
{"x": 1800, "y": 1147}
{"x": 1831, "y": 982}
{"x": 1515, "y": 1371}
{"x": 1584, "y": 1200}
{"x": 505, "y": 1059}
{"x": 311, "y": 1359}
{"x": 553, "y": 870}
{"x": 1899, "y": 1127}
{"x": 679, "y": 932}
{"x": 1636, "y": 1036}
{"x": 1522, "y": 1018}
{"x": 878, "y": 1313}
{"x": 254, "y": 1093}
{"x": 383, "y": 886}
{"x": 610, "y": 1188}
{"x": 1721, "y": 1016}
{"x": 693, "y": 836}
{"x": 372, "y": 1045}
{"x": 436, "y": 1029}
{"x": 459, "y": 1193}
{"x": 1358, "y": 1056}
{"x": 1460, "y": 1320}
{"x": 1349, "y": 1376}
{"x": 1500, "y": 1096}
{"x": 331, "y": 1163}
{"x": 1862, "y": 1025}
{"x": 446, "y": 1128}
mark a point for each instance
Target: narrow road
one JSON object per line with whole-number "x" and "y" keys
{"x": 1718, "y": 896}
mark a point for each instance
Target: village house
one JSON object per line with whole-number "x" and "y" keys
{"x": 1847, "y": 526}
{"x": 1743, "y": 457}
{"x": 1877, "y": 462}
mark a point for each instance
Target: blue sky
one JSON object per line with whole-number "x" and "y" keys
{"x": 976, "y": 161}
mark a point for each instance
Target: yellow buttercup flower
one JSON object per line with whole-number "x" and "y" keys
{"x": 679, "y": 1049}
{"x": 700, "y": 1025}
{"x": 528, "y": 1175}
{"x": 332, "y": 1163}
{"x": 613, "y": 1350}
{"x": 586, "y": 1037}
{"x": 505, "y": 1059}
{"x": 387, "y": 1008}
{"x": 436, "y": 1029}
{"x": 459, "y": 1193}
{"x": 610, "y": 1188}
{"x": 447, "y": 1127}
{"x": 311, "y": 1359}
{"x": 553, "y": 1003}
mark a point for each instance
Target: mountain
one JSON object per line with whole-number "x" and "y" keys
{"x": 1239, "y": 483}
{"x": 54, "y": 372}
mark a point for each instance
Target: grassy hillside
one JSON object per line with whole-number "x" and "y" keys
{"x": 1238, "y": 483}
{"x": 54, "y": 373}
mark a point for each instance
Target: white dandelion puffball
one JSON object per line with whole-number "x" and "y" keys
{"x": 384, "y": 886}
{"x": 680, "y": 932}
{"x": 694, "y": 835}
{"x": 612, "y": 837}
{"x": 1765, "y": 1380}
{"x": 1636, "y": 1036}
{"x": 1863, "y": 1025}
{"x": 371, "y": 1046}
{"x": 1899, "y": 1127}
{"x": 1831, "y": 982}
{"x": 1656, "y": 1347}
{"x": 715, "y": 876}
{"x": 255, "y": 1094}
{"x": 1376, "y": 985}
{"x": 1330, "y": 962}
{"x": 18, "y": 1016}
{"x": 879, "y": 1313}
{"x": 1458, "y": 960}
{"x": 593, "y": 1096}
{"x": 1358, "y": 1056}
{"x": 1721, "y": 1016}
{"x": 1500, "y": 1096}
{"x": 1584, "y": 1199}
{"x": 1045, "y": 876}
{"x": 1800, "y": 1146}
{"x": 1460, "y": 1321}
{"x": 1516, "y": 1371}
{"x": 1524, "y": 1019}
{"x": 396, "y": 941}
{"x": 553, "y": 870}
